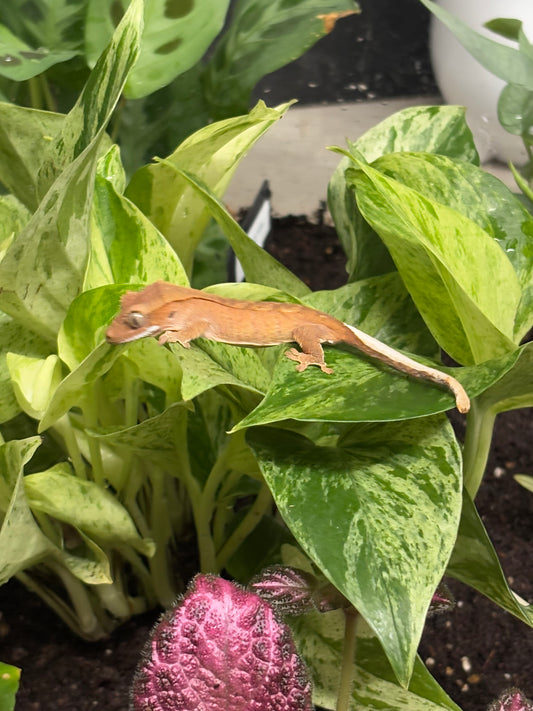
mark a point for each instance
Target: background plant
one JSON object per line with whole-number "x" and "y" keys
{"x": 112, "y": 454}
{"x": 512, "y": 64}
{"x": 9, "y": 678}
{"x": 198, "y": 62}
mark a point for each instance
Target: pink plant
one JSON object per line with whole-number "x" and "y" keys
{"x": 221, "y": 648}
{"x": 291, "y": 591}
{"x": 442, "y": 600}
{"x": 288, "y": 590}
{"x": 511, "y": 700}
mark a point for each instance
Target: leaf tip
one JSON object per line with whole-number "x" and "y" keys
{"x": 329, "y": 19}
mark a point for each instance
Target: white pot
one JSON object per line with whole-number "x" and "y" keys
{"x": 462, "y": 80}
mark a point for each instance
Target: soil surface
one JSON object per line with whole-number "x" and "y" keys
{"x": 475, "y": 651}
{"x": 378, "y": 54}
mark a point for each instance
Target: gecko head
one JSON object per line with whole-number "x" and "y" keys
{"x": 130, "y": 326}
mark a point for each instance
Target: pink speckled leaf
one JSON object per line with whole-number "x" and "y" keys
{"x": 221, "y": 648}
{"x": 288, "y": 590}
{"x": 511, "y": 700}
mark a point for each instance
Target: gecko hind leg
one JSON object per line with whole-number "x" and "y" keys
{"x": 310, "y": 341}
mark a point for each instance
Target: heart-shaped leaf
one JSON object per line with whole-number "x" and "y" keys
{"x": 176, "y": 36}
{"x": 85, "y": 505}
{"x": 177, "y": 207}
{"x": 475, "y": 563}
{"x": 22, "y": 542}
{"x": 434, "y": 129}
{"x": 388, "y": 491}
{"x": 432, "y": 246}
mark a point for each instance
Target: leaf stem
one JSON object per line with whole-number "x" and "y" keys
{"x": 82, "y": 618}
{"x": 478, "y": 438}
{"x": 162, "y": 534}
{"x": 261, "y": 504}
{"x": 51, "y": 103}
{"x": 201, "y": 514}
{"x": 65, "y": 429}
{"x": 348, "y": 660}
{"x": 34, "y": 88}
{"x": 90, "y": 414}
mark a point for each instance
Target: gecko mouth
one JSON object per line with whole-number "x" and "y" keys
{"x": 115, "y": 338}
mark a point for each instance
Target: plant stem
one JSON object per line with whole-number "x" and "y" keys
{"x": 35, "y": 93}
{"x": 65, "y": 429}
{"x": 82, "y": 618}
{"x": 162, "y": 533}
{"x": 262, "y": 502}
{"x": 348, "y": 660}
{"x": 201, "y": 514}
{"x": 90, "y": 414}
{"x": 51, "y": 104}
{"x": 479, "y": 427}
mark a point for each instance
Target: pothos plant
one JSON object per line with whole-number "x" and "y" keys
{"x": 198, "y": 61}
{"x": 111, "y": 453}
{"x": 513, "y": 64}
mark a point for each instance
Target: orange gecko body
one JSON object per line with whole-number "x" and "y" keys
{"x": 180, "y": 314}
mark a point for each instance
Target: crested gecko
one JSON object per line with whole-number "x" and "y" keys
{"x": 181, "y": 314}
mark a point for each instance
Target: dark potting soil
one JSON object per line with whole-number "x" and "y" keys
{"x": 475, "y": 651}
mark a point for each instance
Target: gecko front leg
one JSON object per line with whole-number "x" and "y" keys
{"x": 184, "y": 335}
{"x": 310, "y": 341}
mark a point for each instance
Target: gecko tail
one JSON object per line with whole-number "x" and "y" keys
{"x": 376, "y": 349}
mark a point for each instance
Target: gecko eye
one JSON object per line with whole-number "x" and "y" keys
{"x": 135, "y": 319}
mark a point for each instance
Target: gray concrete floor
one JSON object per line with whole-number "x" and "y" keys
{"x": 293, "y": 154}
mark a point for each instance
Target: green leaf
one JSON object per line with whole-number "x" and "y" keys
{"x": 258, "y": 265}
{"x": 388, "y": 492}
{"x": 505, "y": 27}
{"x": 320, "y": 641}
{"x": 525, "y": 481}
{"x": 54, "y": 242}
{"x": 514, "y": 389}
{"x": 34, "y": 381}
{"x": 475, "y": 563}
{"x": 52, "y": 23}
{"x": 17, "y": 340}
{"x": 154, "y": 438}
{"x": 22, "y": 544}
{"x": 433, "y": 129}
{"x": 360, "y": 389}
{"x": 13, "y": 217}
{"x": 515, "y": 110}
{"x": 207, "y": 364}
{"x": 505, "y": 62}
{"x": 87, "y": 120}
{"x": 125, "y": 245}
{"x": 441, "y": 130}
{"x": 433, "y": 248}
{"x": 19, "y": 61}
{"x": 212, "y": 154}
{"x": 85, "y": 559}
{"x": 156, "y": 365}
{"x": 176, "y": 36}
{"x": 84, "y": 326}
{"x": 481, "y": 198}
{"x": 9, "y": 684}
{"x": 25, "y": 134}
{"x": 72, "y": 389}
{"x": 85, "y": 505}
{"x": 382, "y": 307}
{"x": 159, "y": 122}
{"x": 261, "y": 38}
